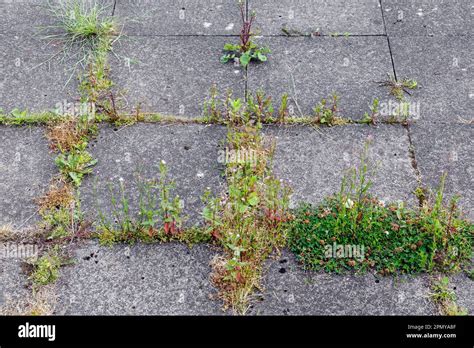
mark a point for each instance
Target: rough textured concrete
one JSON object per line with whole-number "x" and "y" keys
{"x": 314, "y": 162}
{"x": 444, "y": 69}
{"x": 357, "y": 17}
{"x": 26, "y": 167}
{"x": 464, "y": 290}
{"x": 313, "y": 68}
{"x": 173, "y": 75}
{"x": 168, "y": 279}
{"x": 190, "y": 152}
{"x": 428, "y": 17}
{"x": 30, "y": 78}
{"x": 443, "y": 148}
{"x": 13, "y": 282}
{"x": 289, "y": 290}
{"x": 179, "y": 17}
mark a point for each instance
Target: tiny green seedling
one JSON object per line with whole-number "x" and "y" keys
{"x": 247, "y": 50}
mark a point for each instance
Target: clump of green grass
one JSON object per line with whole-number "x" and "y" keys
{"x": 86, "y": 27}
{"x": 18, "y": 117}
{"x": 390, "y": 238}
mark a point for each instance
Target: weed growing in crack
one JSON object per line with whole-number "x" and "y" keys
{"x": 246, "y": 50}
{"x": 373, "y": 116}
{"x": 159, "y": 214}
{"x": 249, "y": 221}
{"x": 327, "y": 113}
{"x": 75, "y": 164}
{"x": 399, "y": 88}
{"x": 445, "y": 297}
{"x": 393, "y": 238}
{"x": 46, "y": 268}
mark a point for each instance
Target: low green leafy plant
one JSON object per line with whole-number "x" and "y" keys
{"x": 445, "y": 298}
{"x": 355, "y": 231}
{"x": 76, "y": 164}
{"x": 328, "y": 113}
{"x": 373, "y": 116}
{"x": 46, "y": 268}
{"x": 399, "y": 88}
{"x": 246, "y": 50}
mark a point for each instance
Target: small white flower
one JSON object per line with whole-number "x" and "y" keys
{"x": 349, "y": 203}
{"x": 387, "y": 233}
{"x": 121, "y": 179}
{"x": 163, "y": 162}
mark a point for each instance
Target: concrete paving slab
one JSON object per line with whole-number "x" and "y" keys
{"x": 13, "y": 282}
{"x": 173, "y": 75}
{"x": 444, "y": 69}
{"x": 30, "y": 78}
{"x": 447, "y": 148}
{"x": 313, "y": 68}
{"x": 191, "y": 153}
{"x": 406, "y": 18}
{"x": 26, "y": 168}
{"x": 179, "y": 17}
{"x": 357, "y": 17}
{"x": 33, "y": 17}
{"x": 167, "y": 279}
{"x": 314, "y": 162}
{"x": 290, "y": 290}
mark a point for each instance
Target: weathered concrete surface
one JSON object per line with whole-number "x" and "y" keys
{"x": 30, "y": 78}
{"x": 167, "y": 279}
{"x": 444, "y": 69}
{"x": 26, "y": 167}
{"x": 357, "y": 17}
{"x": 428, "y": 17}
{"x": 179, "y": 17}
{"x": 314, "y": 162}
{"x": 191, "y": 153}
{"x": 13, "y": 283}
{"x": 173, "y": 75}
{"x": 289, "y": 290}
{"x": 33, "y": 17}
{"x": 313, "y": 68}
{"x": 464, "y": 290}
{"x": 446, "y": 148}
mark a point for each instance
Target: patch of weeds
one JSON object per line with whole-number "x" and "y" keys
{"x": 46, "y": 268}
{"x": 373, "y": 116}
{"x": 158, "y": 219}
{"x": 470, "y": 273}
{"x": 246, "y": 50}
{"x": 399, "y": 88}
{"x": 249, "y": 221}
{"x": 328, "y": 113}
{"x": 355, "y": 231}
{"x": 75, "y": 164}
{"x": 445, "y": 298}
{"x": 7, "y": 233}
{"x": 65, "y": 135}
{"x": 23, "y": 118}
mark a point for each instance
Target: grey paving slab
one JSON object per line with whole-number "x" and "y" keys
{"x": 314, "y": 162}
{"x": 30, "y": 78}
{"x": 444, "y": 69}
{"x": 13, "y": 282}
{"x": 428, "y": 17}
{"x": 173, "y": 75}
{"x": 357, "y": 17}
{"x": 179, "y": 17}
{"x": 289, "y": 290}
{"x": 33, "y": 17}
{"x": 313, "y": 68}
{"x": 446, "y": 148}
{"x": 26, "y": 168}
{"x": 191, "y": 153}
{"x": 463, "y": 287}
{"x": 167, "y": 279}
